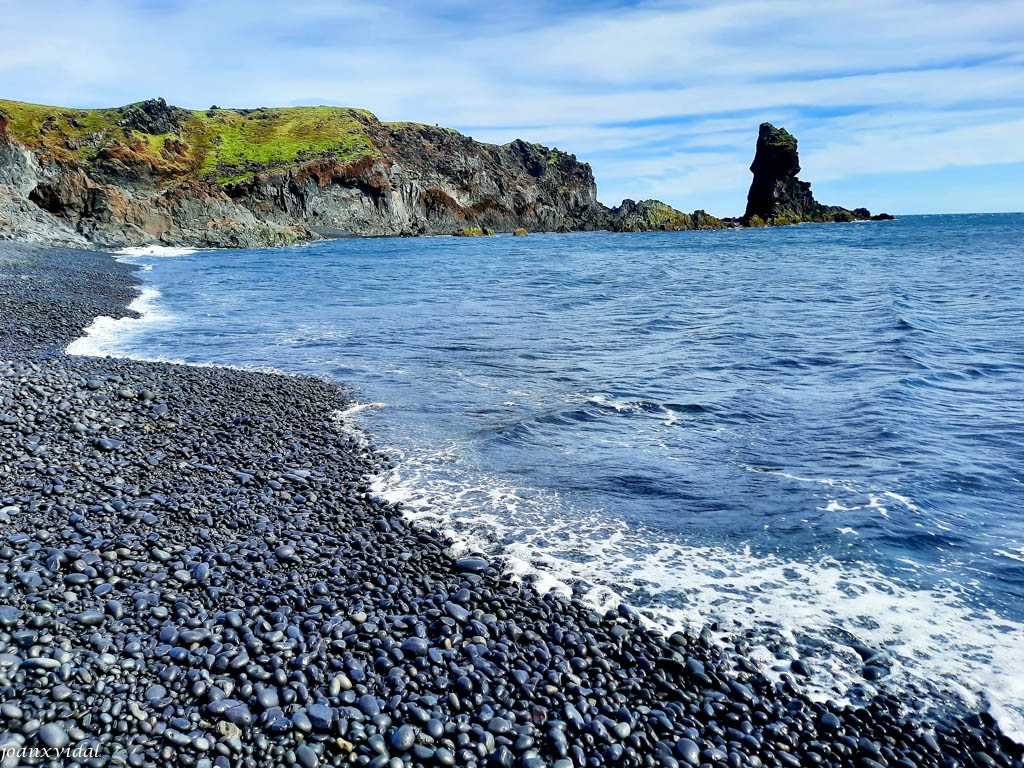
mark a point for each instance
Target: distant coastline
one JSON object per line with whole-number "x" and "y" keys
{"x": 154, "y": 174}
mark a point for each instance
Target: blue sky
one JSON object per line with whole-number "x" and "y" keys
{"x": 914, "y": 106}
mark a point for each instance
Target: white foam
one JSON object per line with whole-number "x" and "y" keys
{"x": 935, "y": 638}
{"x": 101, "y": 335}
{"x": 834, "y": 506}
{"x": 162, "y": 251}
{"x": 1017, "y": 555}
{"x": 616, "y": 403}
{"x": 874, "y": 503}
{"x": 106, "y": 336}
{"x": 352, "y": 410}
{"x": 902, "y": 500}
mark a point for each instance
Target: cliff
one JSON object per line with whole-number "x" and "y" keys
{"x": 154, "y": 173}
{"x": 777, "y": 196}
{"x": 151, "y": 173}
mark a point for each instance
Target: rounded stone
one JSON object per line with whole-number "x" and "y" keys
{"x": 90, "y": 618}
{"x": 306, "y": 757}
{"x": 416, "y": 646}
{"x": 472, "y": 565}
{"x": 54, "y": 736}
{"x": 155, "y": 692}
{"x": 369, "y": 705}
{"x": 403, "y": 739}
{"x": 687, "y": 749}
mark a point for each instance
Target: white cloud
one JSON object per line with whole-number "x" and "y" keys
{"x": 867, "y": 85}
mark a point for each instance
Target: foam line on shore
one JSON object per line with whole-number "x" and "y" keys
{"x": 98, "y": 336}
{"x": 932, "y": 641}
{"x": 162, "y": 251}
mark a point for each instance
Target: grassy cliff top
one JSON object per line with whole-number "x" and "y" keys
{"x": 221, "y": 144}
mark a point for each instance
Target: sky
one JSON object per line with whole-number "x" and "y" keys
{"x": 915, "y": 106}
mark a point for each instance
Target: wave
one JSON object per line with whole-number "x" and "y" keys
{"x": 931, "y": 641}
{"x": 929, "y": 635}
{"x": 112, "y": 337}
{"x": 100, "y": 337}
{"x": 162, "y": 251}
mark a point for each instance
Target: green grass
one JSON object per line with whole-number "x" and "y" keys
{"x": 226, "y": 143}
{"x": 223, "y": 144}
{"x": 400, "y": 124}
{"x": 26, "y": 122}
{"x": 664, "y": 216}
{"x": 154, "y": 141}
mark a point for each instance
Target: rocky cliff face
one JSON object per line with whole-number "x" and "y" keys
{"x": 428, "y": 180}
{"x": 777, "y": 196}
{"x": 153, "y": 173}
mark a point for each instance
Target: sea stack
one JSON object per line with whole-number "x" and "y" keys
{"x": 777, "y": 196}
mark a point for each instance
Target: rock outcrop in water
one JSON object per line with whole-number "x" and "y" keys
{"x": 654, "y": 215}
{"x": 777, "y": 196}
{"x": 153, "y": 173}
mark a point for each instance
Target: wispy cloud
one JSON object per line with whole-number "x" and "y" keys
{"x": 663, "y": 98}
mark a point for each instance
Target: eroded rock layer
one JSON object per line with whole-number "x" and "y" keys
{"x": 153, "y": 173}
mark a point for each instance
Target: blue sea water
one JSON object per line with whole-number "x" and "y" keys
{"x": 815, "y": 433}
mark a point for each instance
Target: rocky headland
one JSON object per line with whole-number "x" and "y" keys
{"x": 150, "y": 173}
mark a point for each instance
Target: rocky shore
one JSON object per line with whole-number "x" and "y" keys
{"x": 192, "y": 572}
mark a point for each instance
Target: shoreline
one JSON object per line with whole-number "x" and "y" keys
{"x": 225, "y": 544}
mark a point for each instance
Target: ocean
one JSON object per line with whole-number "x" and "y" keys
{"x": 808, "y": 437}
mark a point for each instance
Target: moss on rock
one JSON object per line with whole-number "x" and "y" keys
{"x": 224, "y": 145}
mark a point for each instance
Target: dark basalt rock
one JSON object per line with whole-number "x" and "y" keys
{"x": 776, "y": 189}
{"x": 411, "y": 180}
{"x": 154, "y": 116}
{"x": 777, "y": 195}
{"x": 654, "y": 215}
